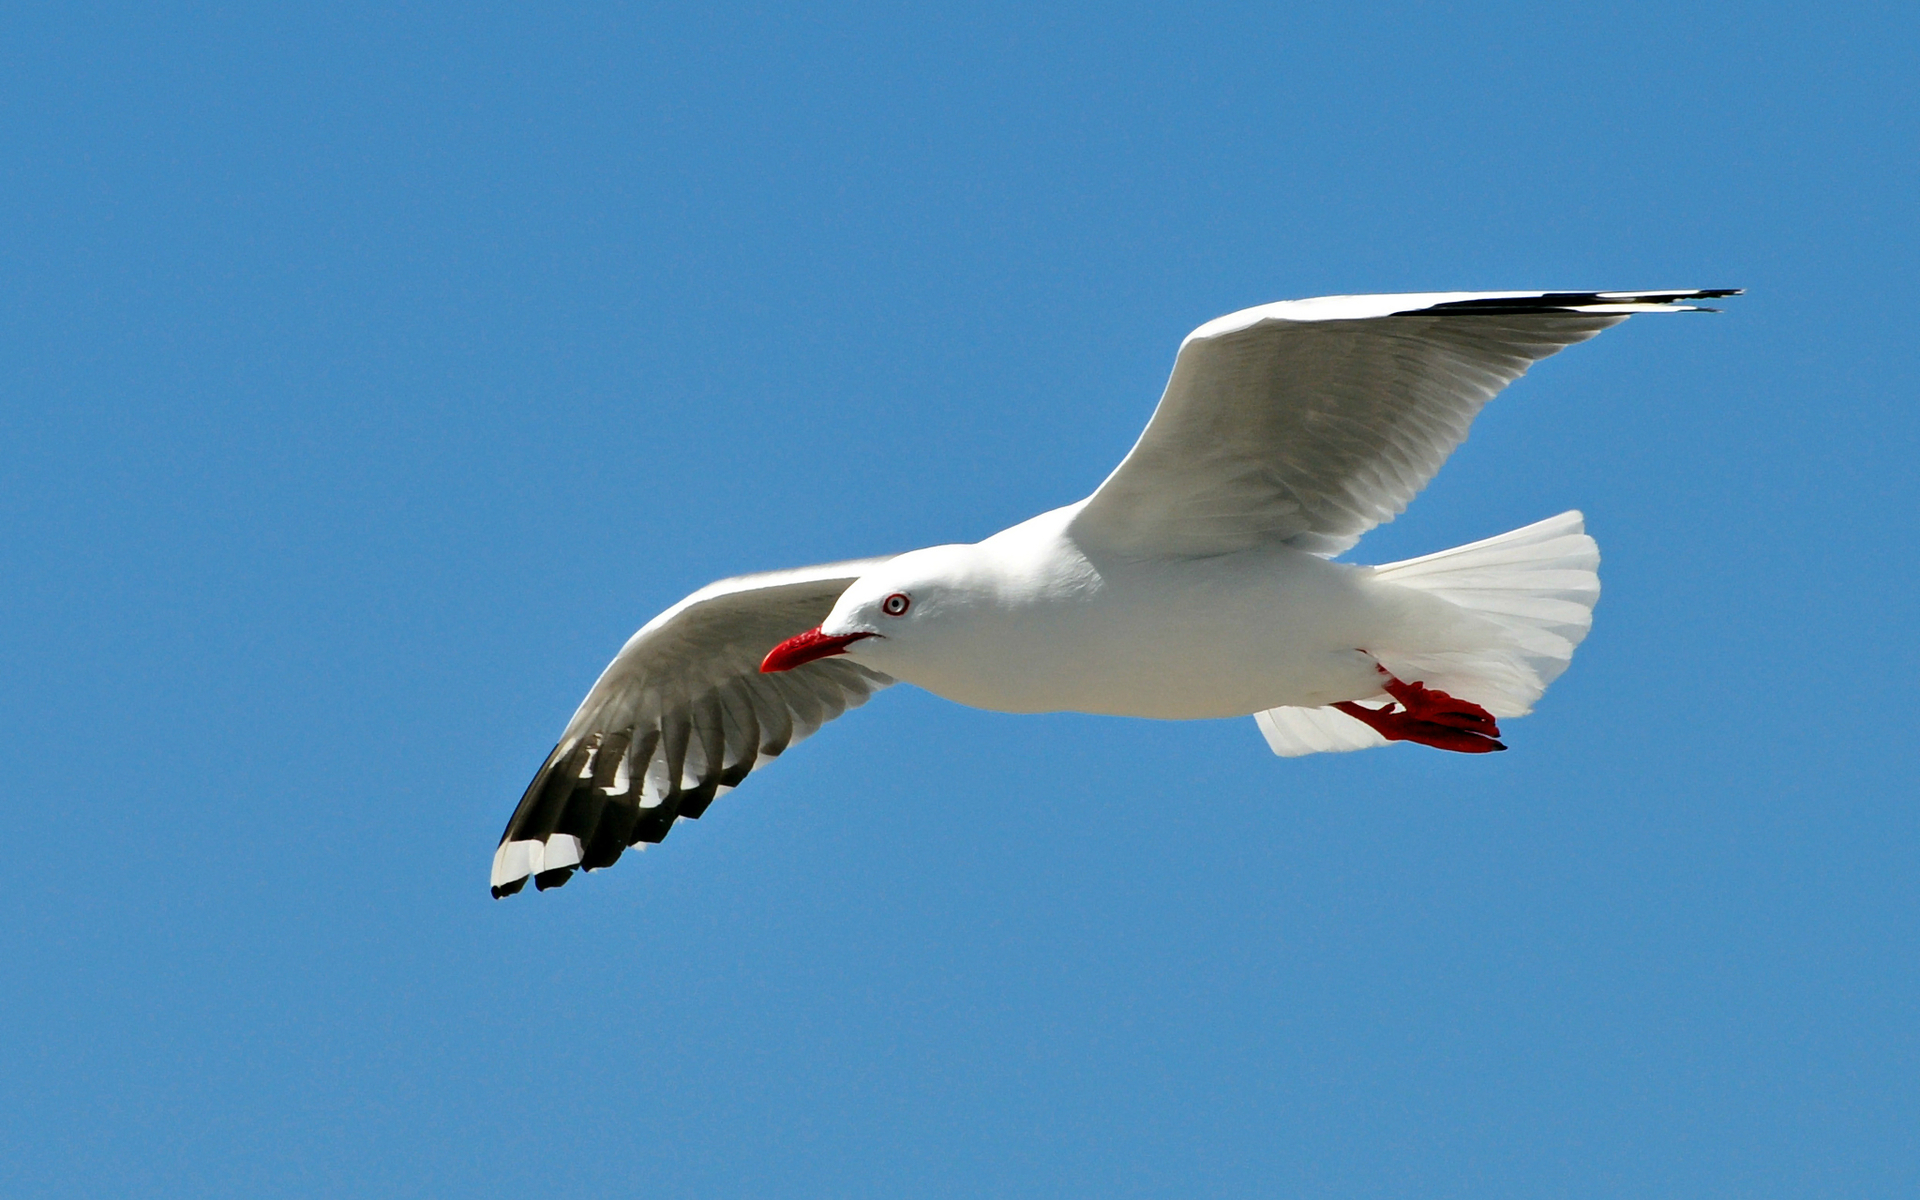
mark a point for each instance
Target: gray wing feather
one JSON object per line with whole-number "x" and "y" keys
{"x": 680, "y": 716}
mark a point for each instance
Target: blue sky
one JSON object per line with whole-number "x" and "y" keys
{"x": 371, "y": 372}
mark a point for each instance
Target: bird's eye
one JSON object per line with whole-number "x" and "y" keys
{"x": 896, "y": 605}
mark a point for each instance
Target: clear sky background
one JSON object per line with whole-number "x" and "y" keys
{"x": 371, "y": 372}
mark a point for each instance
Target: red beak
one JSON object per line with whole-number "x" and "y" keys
{"x": 805, "y": 647}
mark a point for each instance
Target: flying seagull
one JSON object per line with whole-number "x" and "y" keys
{"x": 1197, "y": 581}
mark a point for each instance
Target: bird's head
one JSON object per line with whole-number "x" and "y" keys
{"x": 886, "y": 614}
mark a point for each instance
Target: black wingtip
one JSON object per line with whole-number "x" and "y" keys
{"x": 552, "y": 879}
{"x": 1712, "y": 294}
{"x": 508, "y": 889}
{"x": 1554, "y": 303}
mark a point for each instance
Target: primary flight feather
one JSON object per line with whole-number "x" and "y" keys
{"x": 1196, "y": 581}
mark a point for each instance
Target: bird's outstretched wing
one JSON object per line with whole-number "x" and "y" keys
{"x": 1309, "y": 422}
{"x": 679, "y": 716}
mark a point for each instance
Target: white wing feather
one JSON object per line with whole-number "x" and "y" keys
{"x": 1309, "y": 422}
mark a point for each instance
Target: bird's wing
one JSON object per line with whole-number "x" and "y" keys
{"x": 1309, "y": 422}
{"x": 679, "y": 716}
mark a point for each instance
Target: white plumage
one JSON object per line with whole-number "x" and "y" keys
{"x": 1536, "y": 585}
{"x": 1196, "y": 581}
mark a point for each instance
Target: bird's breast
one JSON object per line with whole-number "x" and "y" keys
{"x": 1215, "y": 637}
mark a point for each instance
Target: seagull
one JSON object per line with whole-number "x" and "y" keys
{"x": 1198, "y": 581}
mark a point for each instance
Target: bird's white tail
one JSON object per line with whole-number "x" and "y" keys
{"x": 1531, "y": 593}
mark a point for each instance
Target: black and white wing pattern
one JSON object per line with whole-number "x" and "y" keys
{"x": 1309, "y": 422}
{"x": 679, "y": 716}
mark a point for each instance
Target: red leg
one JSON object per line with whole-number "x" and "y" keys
{"x": 1430, "y": 718}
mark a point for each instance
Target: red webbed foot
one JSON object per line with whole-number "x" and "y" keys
{"x": 1424, "y": 704}
{"x": 1429, "y": 718}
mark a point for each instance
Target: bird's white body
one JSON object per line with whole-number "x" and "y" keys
{"x": 1196, "y": 581}
{"x": 1032, "y": 620}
